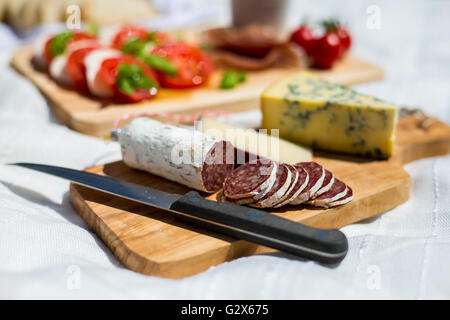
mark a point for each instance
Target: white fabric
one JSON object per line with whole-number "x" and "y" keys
{"x": 47, "y": 251}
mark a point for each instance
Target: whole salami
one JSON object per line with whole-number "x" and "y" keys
{"x": 185, "y": 156}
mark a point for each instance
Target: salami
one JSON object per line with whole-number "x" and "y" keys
{"x": 316, "y": 174}
{"x": 252, "y": 179}
{"x": 326, "y": 185}
{"x": 294, "y": 179}
{"x": 222, "y": 198}
{"x": 345, "y": 199}
{"x": 337, "y": 191}
{"x": 185, "y": 156}
{"x": 279, "y": 188}
{"x": 300, "y": 185}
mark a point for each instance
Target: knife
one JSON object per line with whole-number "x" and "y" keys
{"x": 250, "y": 224}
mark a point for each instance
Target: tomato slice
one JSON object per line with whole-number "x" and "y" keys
{"x": 75, "y": 63}
{"x": 193, "y": 66}
{"x": 109, "y": 72}
{"x": 48, "y": 55}
{"x": 128, "y": 32}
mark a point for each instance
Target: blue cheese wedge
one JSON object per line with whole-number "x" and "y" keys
{"x": 314, "y": 112}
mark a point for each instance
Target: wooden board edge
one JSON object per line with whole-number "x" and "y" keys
{"x": 127, "y": 256}
{"x": 339, "y": 219}
{"x": 167, "y": 269}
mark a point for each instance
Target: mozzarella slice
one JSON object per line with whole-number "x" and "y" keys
{"x": 107, "y": 34}
{"x": 93, "y": 62}
{"x": 38, "y": 50}
{"x": 58, "y": 70}
{"x": 84, "y": 43}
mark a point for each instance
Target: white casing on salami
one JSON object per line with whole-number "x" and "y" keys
{"x": 305, "y": 196}
{"x": 295, "y": 195}
{"x": 340, "y": 201}
{"x": 271, "y": 200}
{"x": 268, "y": 184}
{"x": 177, "y": 154}
{"x": 325, "y": 188}
{"x": 294, "y": 179}
{"x": 319, "y": 202}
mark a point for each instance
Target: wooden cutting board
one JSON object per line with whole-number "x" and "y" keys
{"x": 95, "y": 117}
{"x": 153, "y": 242}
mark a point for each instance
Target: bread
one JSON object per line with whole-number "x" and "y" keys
{"x": 23, "y": 15}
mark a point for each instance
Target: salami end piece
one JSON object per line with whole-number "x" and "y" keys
{"x": 337, "y": 191}
{"x": 345, "y": 199}
{"x": 222, "y": 198}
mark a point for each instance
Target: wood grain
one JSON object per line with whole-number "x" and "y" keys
{"x": 95, "y": 117}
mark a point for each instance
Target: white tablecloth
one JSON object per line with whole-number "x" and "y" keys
{"x": 47, "y": 251}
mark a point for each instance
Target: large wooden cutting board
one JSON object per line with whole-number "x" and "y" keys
{"x": 153, "y": 242}
{"x": 95, "y": 117}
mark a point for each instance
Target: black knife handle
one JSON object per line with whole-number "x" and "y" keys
{"x": 325, "y": 246}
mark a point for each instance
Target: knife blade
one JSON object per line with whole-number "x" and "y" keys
{"x": 250, "y": 224}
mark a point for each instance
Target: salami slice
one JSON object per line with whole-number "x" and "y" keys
{"x": 222, "y": 198}
{"x": 185, "y": 156}
{"x": 316, "y": 174}
{"x": 345, "y": 199}
{"x": 279, "y": 188}
{"x": 300, "y": 185}
{"x": 294, "y": 178}
{"x": 337, "y": 191}
{"x": 250, "y": 180}
{"x": 326, "y": 185}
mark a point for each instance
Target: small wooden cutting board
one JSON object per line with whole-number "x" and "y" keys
{"x": 153, "y": 242}
{"x": 94, "y": 117}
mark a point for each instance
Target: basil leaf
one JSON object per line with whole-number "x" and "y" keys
{"x": 131, "y": 77}
{"x": 125, "y": 86}
{"x": 152, "y": 37}
{"x": 92, "y": 29}
{"x": 160, "y": 63}
{"x": 59, "y": 43}
{"x": 134, "y": 46}
{"x": 232, "y": 78}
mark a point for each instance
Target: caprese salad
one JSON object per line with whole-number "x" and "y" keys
{"x": 124, "y": 63}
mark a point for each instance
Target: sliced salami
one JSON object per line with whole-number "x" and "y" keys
{"x": 250, "y": 180}
{"x": 337, "y": 191}
{"x": 316, "y": 174}
{"x": 279, "y": 188}
{"x": 242, "y": 201}
{"x": 300, "y": 185}
{"x": 294, "y": 178}
{"x": 326, "y": 185}
{"x": 345, "y": 199}
{"x": 185, "y": 156}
